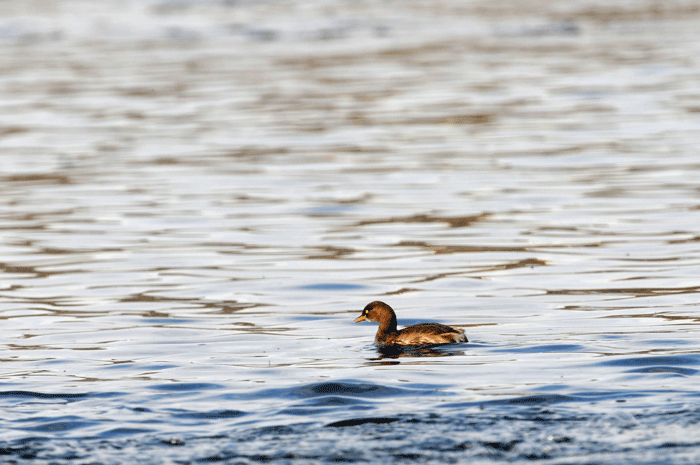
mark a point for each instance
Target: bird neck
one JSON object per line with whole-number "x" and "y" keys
{"x": 388, "y": 325}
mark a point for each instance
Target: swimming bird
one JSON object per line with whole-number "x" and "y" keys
{"x": 416, "y": 335}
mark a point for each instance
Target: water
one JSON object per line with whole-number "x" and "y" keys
{"x": 198, "y": 199}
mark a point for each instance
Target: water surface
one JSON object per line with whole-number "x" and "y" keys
{"x": 198, "y": 199}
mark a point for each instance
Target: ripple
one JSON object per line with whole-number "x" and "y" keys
{"x": 552, "y": 348}
{"x": 360, "y": 421}
{"x": 186, "y": 387}
{"x": 334, "y": 401}
{"x": 63, "y": 425}
{"x": 362, "y": 390}
{"x": 42, "y": 395}
{"x": 535, "y": 400}
{"x": 674, "y": 360}
{"x": 216, "y": 414}
{"x": 332, "y": 287}
{"x": 665, "y": 370}
{"x": 116, "y": 432}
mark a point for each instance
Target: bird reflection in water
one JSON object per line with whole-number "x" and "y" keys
{"x": 395, "y": 352}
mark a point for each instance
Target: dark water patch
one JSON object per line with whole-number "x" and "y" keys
{"x": 219, "y": 457}
{"x": 43, "y": 395}
{"x": 364, "y": 390}
{"x": 443, "y": 444}
{"x": 324, "y": 405}
{"x": 336, "y": 389}
{"x": 334, "y": 401}
{"x": 348, "y": 389}
{"x": 633, "y": 362}
{"x": 22, "y": 452}
{"x": 156, "y": 367}
{"x": 116, "y": 432}
{"x": 501, "y": 446}
{"x": 332, "y": 287}
{"x": 665, "y": 370}
{"x": 212, "y": 415}
{"x": 64, "y": 424}
{"x": 186, "y": 387}
{"x": 403, "y": 456}
{"x": 275, "y": 430}
{"x": 597, "y": 396}
{"x": 534, "y": 400}
{"x": 674, "y": 445}
{"x": 360, "y": 421}
{"x": 524, "y": 401}
{"x": 670, "y": 343}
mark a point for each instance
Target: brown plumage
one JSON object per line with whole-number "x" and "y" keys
{"x": 416, "y": 335}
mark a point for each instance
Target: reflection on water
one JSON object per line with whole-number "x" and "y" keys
{"x": 428, "y": 351}
{"x": 199, "y": 197}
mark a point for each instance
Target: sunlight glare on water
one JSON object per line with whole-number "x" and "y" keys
{"x": 199, "y": 198}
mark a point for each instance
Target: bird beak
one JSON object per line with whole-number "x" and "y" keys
{"x": 360, "y": 318}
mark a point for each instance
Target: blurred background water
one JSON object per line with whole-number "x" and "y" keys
{"x": 198, "y": 198}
